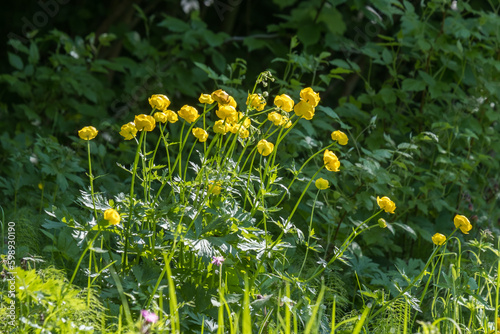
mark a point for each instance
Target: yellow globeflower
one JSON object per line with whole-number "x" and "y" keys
{"x": 171, "y": 116}
{"x": 331, "y": 161}
{"x": 304, "y": 110}
{"x": 160, "y": 117}
{"x": 462, "y": 223}
{"x": 256, "y": 101}
{"x": 144, "y": 122}
{"x": 159, "y": 102}
{"x": 322, "y": 184}
{"x": 286, "y": 122}
{"x": 438, "y": 239}
{"x": 309, "y": 96}
{"x": 88, "y": 133}
{"x": 284, "y": 102}
{"x": 244, "y": 133}
{"x": 226, "y": 111}
{"x": 264, "y": 147}
{"x": 128, "y": 130}
{"x": 189, "y": 113}
{"x": 340, "y": 137}
{"x": 112, "y": 216}
{"x": 200, "y": 134}
{"x": 214, "y": 188}
{"x": 221, "y": 127}
{"x": 206, "y": 99}
{"x": 386, "y": 204}
{"x": 275, "y": 117}
{"x": 221, "y": 97}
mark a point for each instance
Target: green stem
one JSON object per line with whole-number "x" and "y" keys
{"x": 309, "y": 233}
{"x": 91, "y": 179}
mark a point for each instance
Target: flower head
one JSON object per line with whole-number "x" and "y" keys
{"x": 226, "y": 111}
{"x": 284, "y": 102}
{"x": 438, "y": 239}
{"x": 256, "y": 101}
{"x": 171, "y": 116}
{"x": 217, "y": 260}
{"x": 214, "y": 188}
{"x": 128, "y": 130}
{"x": 221, "y": 97}
{"x": 386, "y": 204}
{"x": 88, "y": 133}
{"x": 221, "y": 127}
{"x": 149, "y": 316}
{"x": 331, "y": 161}
{"x": 382, "y": 223}
{"x": 200, "y": 134}
{"x": 462, "y": 223}
{"x": 340, "y": 137}
{"x": 190, "y": 114}
{"x": 275, "y": 117}
{"x": 112, "y": 216}
{"x": 144, "y": 122}
{"x": 304, "y": 110}
{"x": 264, "y": 147}
{"x": 322, "y": 184}
{"x": 309, "y": 96}
{"x": 159, "y": 102}
{"x": 160, "y": 116}
{"x": 206, "y": 99}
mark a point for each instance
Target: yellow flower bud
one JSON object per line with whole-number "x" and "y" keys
{"x": 206, "y": 99}
{"x": 438, "y": 239}
{"x": 221, "y": 127}
{"x": 256, "y": 101}
{"x": 144, "y": 122}
{"x": 340, "y": 137}
{"x": 322, "y": 184}
{"x": 382, "y": 223}
{"x": 159, "y": 102}
{"x": 309, "y": 96}
{"x": 284, "y": 102}
{"x": 171, "y": 116}
{"x": 214, "y": 188}
{"x": 304, "y": 110}
{"x": 226, "y": 111}
{"x": 200, "y": 134}
{"x": 128, "y": 130}
{"x": 112, "y": 216}
{"x": 40, "y": 186}
{"x": 386, "y": 204}
{"x": 275, "y": 117}
{"x": 264, "y": 147}
{"x": 462, "y": 223}
{"x": 88, "y": 133}
{"x": 188, "y": 113}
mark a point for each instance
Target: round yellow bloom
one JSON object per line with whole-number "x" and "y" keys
{"x": 438, "y": 239}
{"x": 286, "y": 122}
{"x": 309, "y": 96}
{"x": 226, "y": 111}
{"x": 275, "y": 117}
{"x": 160, "y": 117}
{"x": 244, "y": 133}
{"x": 159, "y": 102}
{"x": 331, "y": 161}
{"x": 221, "y": 127}
{"x": 88, "y": 133}
{"x": 462, "y": 223}
{"x": 322, "y": 184}
{"x": 40, "y": 186}
{"x": 382, "y": 223}
{"x": 264, "y": 147}
{"x": 206, "y": 99}
{"x": 128, "y": 130}
{"x": 304, "y": 110}
{"x": 386, "y": 204}
{"x": 232, "y": 103}
{"x": 144, "y": 122}
{"x": 112, "y": 216}
{"x": 284, "y": 102}
{"x": 201, "y": 134}
{"x": 171, "y": 116}
{"x": 340, "y": 137}
{"x": 236, "y": 118}
{"x": 256, "y": 101}
{"x": 189, "y": 113}
{"x": 221, "y": 97}
{"x": 214, "y": 188}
